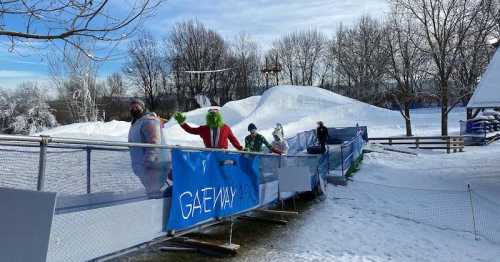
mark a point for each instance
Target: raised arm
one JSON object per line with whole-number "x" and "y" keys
{"x": 181, "y": 119}
{"x": 190, "y": 129}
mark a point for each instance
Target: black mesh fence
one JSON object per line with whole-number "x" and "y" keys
{"x": 487, "y": 216}
{"x": 458, "y": 210}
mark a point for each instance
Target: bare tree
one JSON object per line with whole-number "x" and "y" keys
{"x": 112, "y": 102}
{"x": 406, "y": 65}
{"x": 445, "y": 25}
{"x": 474, "y": 55}
{"x": 67, "y": 20}
{"x": 75, "y": 76}
{"x": 311, "y": 46}
{"x": 495, "y": 13}
{"x": 146, "y": 69}
{"x": 328, "y": 66}
{"x": 246, "y": 66}
{"x": 192, "y": 47}
{"x": 300, "y": 54}
{"x": 285, "y": 49}
{"x": 361, "y": 59}
{"x": 115, "y": 86}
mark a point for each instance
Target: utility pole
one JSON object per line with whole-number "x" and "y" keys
{"x": 274, "y": 69}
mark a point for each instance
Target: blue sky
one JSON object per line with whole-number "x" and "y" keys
{"x": 262, "y": 20}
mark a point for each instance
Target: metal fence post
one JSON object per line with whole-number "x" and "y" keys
{"x": 328, "y": 163}
{"x": 279, "y": 185}
{"x": 342, "y": 158}
{"x": 472, "y": 209}
{"x": 89, "y": 153}
{"x": 42, "y": 163}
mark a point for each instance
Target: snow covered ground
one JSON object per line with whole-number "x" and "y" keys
{"x": 398, "y": 208}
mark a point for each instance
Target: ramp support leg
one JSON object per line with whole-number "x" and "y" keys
{"x": 42, "y": 163}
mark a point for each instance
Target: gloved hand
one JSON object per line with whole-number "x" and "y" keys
{"x": 276, "y": 151}
{"x": 180, "y": 118}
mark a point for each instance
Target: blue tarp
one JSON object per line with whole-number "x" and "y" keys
{"x": 211, "y": 185}
{"x": 338, "y": 135}
{"x": 346, "y": 145}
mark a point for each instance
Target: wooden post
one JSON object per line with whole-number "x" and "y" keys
{"x": 390, "y": 141}
{"x": 417, "y": 143}
{"x": 448, "y": 144}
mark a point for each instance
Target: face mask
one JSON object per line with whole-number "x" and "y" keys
{"x": 253, "y": 131}
{"x": 214, "y": 120}
{"x": 136, "y": 113}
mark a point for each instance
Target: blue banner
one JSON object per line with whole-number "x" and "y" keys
{"x": 211, "y": 185}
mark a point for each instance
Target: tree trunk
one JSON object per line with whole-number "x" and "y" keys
{"x": 408, "y": 120}
{"x": 444, "y": 108}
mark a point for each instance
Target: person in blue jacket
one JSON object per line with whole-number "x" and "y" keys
{"x": 149, "y": 164}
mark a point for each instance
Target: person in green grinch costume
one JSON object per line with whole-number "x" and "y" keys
{"x": 215, "y": 133}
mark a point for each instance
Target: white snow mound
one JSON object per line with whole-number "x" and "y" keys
{"x": 297, "y": 108}
{"x": 112, "y": 131}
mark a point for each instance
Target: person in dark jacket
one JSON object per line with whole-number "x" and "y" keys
{"x": 254, "y": 141}
{"x": 215, "y": 133}
{"x": 322, "y": 136}
{"x": 149, "y": 164}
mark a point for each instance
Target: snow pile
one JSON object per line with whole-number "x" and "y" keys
{"x": 297, "y": 108}
{"x": 113, "y": 131}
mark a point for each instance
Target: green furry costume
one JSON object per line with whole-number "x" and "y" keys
{"x": 213, "y": 119}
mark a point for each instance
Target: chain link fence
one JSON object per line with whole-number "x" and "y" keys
{"x": 19, "y": 167}
{"x": 464, "y": 210}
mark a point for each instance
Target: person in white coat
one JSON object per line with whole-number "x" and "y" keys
{"x": 279, "y": 142}
{"x": 149, "y": 164}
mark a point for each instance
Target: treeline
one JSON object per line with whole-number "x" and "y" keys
{"x": 192, "y": 62}
{"x": 423, "y": 53}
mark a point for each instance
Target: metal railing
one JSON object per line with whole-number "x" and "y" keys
{"x": 90, "y": 146}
